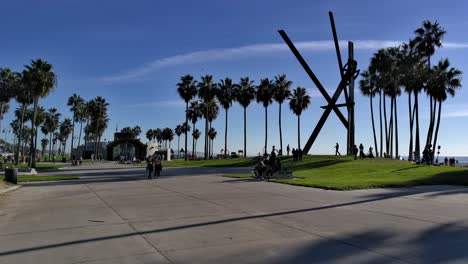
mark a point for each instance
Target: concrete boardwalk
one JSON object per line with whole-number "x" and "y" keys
{"x": 192, "y": 215}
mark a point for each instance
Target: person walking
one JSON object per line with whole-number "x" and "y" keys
{"x": 287, "y": 149}
{"x": 149, "y": 166}
{"x": 355, "y": 152}
{"x": 157, "y": 166}
{"x": 337, "y": 149}
{"x": 361, "y": 151}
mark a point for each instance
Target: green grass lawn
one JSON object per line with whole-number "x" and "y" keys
{"x": 344, "y": 173}
{"x": 39, "y": 166}
{"x": 35, "y": 178}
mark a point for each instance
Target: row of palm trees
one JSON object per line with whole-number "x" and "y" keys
{"x": 202, "y": 99}
{"x": 36, "y": 81}
{"x": 408, "y": 66}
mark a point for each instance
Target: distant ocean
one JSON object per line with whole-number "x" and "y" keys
{"x": 461, "y": 159}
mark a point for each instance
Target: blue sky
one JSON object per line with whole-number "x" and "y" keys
{"x": 133, "y": 54}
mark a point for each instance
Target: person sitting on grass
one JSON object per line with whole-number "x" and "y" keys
{"x": 371, "y": 154}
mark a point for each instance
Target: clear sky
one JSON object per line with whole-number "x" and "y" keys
{"x": 134, "y": 52}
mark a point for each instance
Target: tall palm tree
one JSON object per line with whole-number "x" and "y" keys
{"x": 8, "y": 81}
{"x": 40, "y": 119}
{"x": 24, "y": 98}
{"x": 65, "y": 130}
{"x": 187, "y": 90}
{"x": 41, "y": 80}
{"x": 167, "y": 136}
{"x": 206, "y": 92}
{"x": 225, "y": 97}
{"x": 194, "y": 113}
{"x": 264, "y": 94}
{"x": 136, "y": 131}
{"x": 445, "y": 81}
{"x": 99, "y": 119}
{"x": 428, "y": 38}
{"x": 178, "y": 131}
{"x": 212, "y": 135}
{"x": 185, "y": 130}
{"x": 75, "y": 102}
{"x": 150, "y": 134}
{"x": 245, "y": 93}
{"x": 211, "y": 109}
{"x": 368, "y": 87}
{"x": 394, "y": 90}
{"x": 51, "y": 122}
{"x": 281, "y": 93}
{"x": 44, "y": 143}
{"x": 299, "y": 102}
{"x": 196, "y": 135}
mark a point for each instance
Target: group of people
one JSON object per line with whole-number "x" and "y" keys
{"x": 153, "y": 164}
{"x": 267, "y": 165}
{"x": 356, "y": 151}
{"x": 75, "y": 161}
{"x": 450, "y": 162}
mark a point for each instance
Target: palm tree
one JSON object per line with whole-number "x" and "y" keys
{"x": 99, "y": 119}
{"x": 368, "y": 87}
{"x": 65, "y": 130}
{"x": 245, "y": 93}
{"x": 264, "y": 94}
{"x": 44, "y": 143}
{"x": 206, "y": 92}
{"x": 8, "y": 81}
{"x": 24, "y": 98}
{"x": 41, "y": 80}
{"x": 428, "y": 38}
{"x": 150, "y": 134}
{"x": 212, "y": 135}
{"x": 281, "y": 93}
{"x": 196, "y": 135}
{"x": 76, "y": 104}
{"x": 158, "y": 136}
{"x": 445, "y": 81}
{"x": 136, "y": 131}
{"x": 40, "y": 119}
{"x": 51, "y": 122}
{"x": 167, "y": 136}
{"x": 187, "y": 89}
{"x": 194, "y": 113}
{"x": 225, "y": 97}
{"x": 299, "y": 102}
{"x": 211, "y": 109}
{"x": 178, "y": 131}
{"x": 393, "y": 86}
{"x": 185, "y": 130}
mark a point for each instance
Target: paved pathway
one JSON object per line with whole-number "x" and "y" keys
{"x": 192, "y": 215}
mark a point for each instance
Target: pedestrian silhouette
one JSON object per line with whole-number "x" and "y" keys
{"x": 337, "y": 150}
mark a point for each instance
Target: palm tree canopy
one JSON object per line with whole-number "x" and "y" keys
{"x": 245, "y": 92}
{"x": 368, "y": 82}
{"x": 225, "y": 93}
{"x": 428, "y": 37}
{"x": 412, "y": 66}
{"x": 207, "y": 89}
{"x": 212, "y": 133}
{"x": 40, "y": 77}
{"x": 185, "y": 127}
{"x": 194, "y": 111}
{"x": 76, "y": 105}
{"x": 299, "y": 100}
{"x": 65, "y": 128}
{"x": 158, "y": 134}
{"x": 196, "y": 134}
{"x": 444, "y": 80}
{"x": 212, "y": 112}
{"x": 178, "y": 130}
{"x": 265, "y": 92}
{"x": 8, "y": 84}
{"x": 187, "y": 88}
{"x": 282, "y": 88}
{"x": 167, "y": 134}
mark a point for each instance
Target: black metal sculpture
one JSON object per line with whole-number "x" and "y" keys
{"x": 348, "y": 73}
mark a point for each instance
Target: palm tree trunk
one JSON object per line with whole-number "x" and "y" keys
{"x": 396, "y": 129}
{"x": 96, "y": 149}
{"x": 35, "y": 138}
{"x": 225, "y": 134}
{"x": 411, "y": 114}
{"x": 386, "y": 127}
{"x": 73, "y": 135}
{"x": 206, "y": 131}
{"x": 193, "y": 144}
{"x": 373, "y": 125}
{"x": 178, "y": 147}
{"x": 299, "y": 132}
{"x": 186, "y": 130}
{"x": 86, "y": 136}
{"x": 33, "y": 147}
{"x": 245, "y": 132}
{"x": 79, "y": 137}
{"x": 266, "y": 129}
{"x": 280, "y": 131}
{"x": 390, "y": 131}
{"x": 20, "y": 136}
{"x": 417, "y": 147}
{"x": 437, "y": 129}
{"x": 31, "y": 143}
{"x": 381, "y": 129}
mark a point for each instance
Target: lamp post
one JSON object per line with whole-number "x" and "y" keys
{"x": 438, "y": 152}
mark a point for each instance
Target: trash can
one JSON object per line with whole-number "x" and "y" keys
{"x": 11, "y": 175}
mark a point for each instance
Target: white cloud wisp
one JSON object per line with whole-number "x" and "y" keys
{"x": 252, "y": 50}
